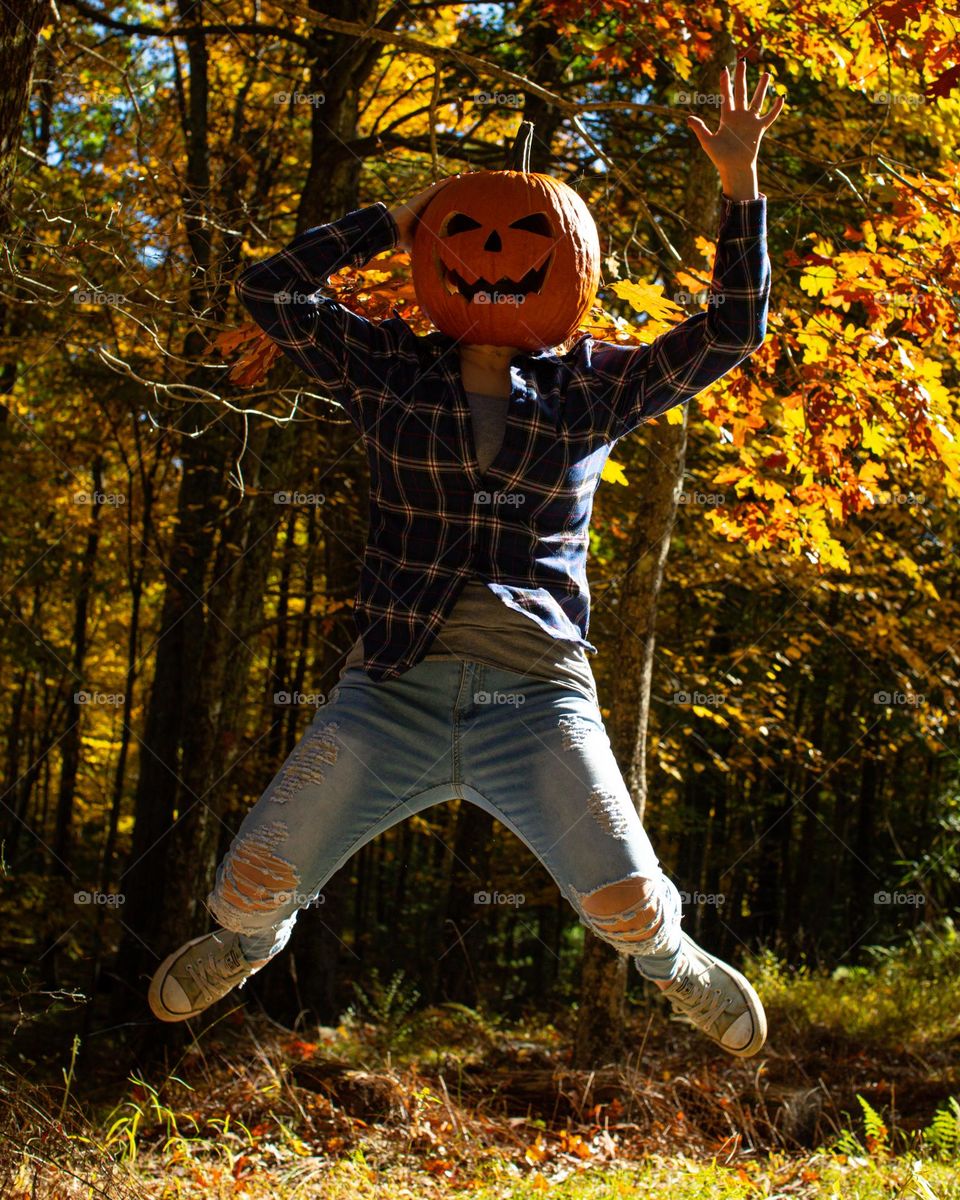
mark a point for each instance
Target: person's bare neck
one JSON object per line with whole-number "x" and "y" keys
{"x": 486, "y": 368}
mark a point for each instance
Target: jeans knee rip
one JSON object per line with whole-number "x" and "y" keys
{"x": 253, "y": 880}
{"x": 657, "y": 936}
{"x": 318, "y": 749}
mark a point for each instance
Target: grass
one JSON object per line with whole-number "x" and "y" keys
{"x": 239, "y": 1115}
{"x": 905, "y": 995}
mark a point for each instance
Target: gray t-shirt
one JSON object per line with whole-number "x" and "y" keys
{"x": 480, "y": 626}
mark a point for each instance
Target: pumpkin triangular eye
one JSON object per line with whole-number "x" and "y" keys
{"x": 535, "y": 223}
{"x": 460, "y": 223}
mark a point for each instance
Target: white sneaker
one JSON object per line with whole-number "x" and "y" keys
{"x": 717, "y": 1000}
{"x": 201, "y": 972}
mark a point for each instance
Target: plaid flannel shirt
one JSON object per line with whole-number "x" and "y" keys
{"x": 522, "y": 525}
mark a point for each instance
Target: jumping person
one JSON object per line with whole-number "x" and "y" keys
{"x": 470, "y": 677}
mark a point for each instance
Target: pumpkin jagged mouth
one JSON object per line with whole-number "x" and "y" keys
{"x": 513, "y": 290}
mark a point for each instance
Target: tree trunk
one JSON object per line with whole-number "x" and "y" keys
{"x": 70, "y": 743}
{"x": 20, "y": 26}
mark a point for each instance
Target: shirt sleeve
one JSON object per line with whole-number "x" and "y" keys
{"x": 349, "y": 354}
{"x": 627, "y": 385}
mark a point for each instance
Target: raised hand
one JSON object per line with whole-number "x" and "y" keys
{"x": 733, "y": 147}
{"x": 406, "y": 214}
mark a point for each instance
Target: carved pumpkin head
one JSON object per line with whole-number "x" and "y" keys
{"x": 507, "y": 258}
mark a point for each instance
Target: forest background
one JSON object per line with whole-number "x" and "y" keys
{"x": 773, "y": 567}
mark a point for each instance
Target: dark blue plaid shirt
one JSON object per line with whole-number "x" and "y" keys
{"x": 522, "y": 525}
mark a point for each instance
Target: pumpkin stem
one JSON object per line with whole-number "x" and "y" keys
{"x": 518, "y": 159}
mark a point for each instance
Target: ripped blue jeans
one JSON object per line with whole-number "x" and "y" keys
{"x": 533, "y": 753}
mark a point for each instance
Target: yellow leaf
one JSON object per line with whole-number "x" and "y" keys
{"x": 908, "y": 567}
{"x": 769, "y": 489}
{"x": 646, "y": 298}
{"x": 816, "y": 348}
{"x": 818, "y": 279}
{"x": 870, "y": 472}
{"x": 613, "y": 472}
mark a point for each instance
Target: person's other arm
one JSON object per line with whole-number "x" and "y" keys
{"x": 351, "y": 355}
{"x": 631, "y": 384}
{"x": 345, "y": 351}
{"x": 627, "y": 385}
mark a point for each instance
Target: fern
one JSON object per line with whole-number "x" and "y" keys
{"x": 876, "y": 1130}
{"x": 942, "y": 1135}
{"x": 387, "y": 1008}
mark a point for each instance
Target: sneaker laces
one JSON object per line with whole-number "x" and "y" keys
{"x": 208, "y": 977}
{"x": 702, "y": 1005}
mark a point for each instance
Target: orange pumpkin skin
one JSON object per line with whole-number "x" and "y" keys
{"x": 525, "y": 243}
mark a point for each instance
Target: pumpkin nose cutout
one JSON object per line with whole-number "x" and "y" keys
{"x": 493, "y": 242}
